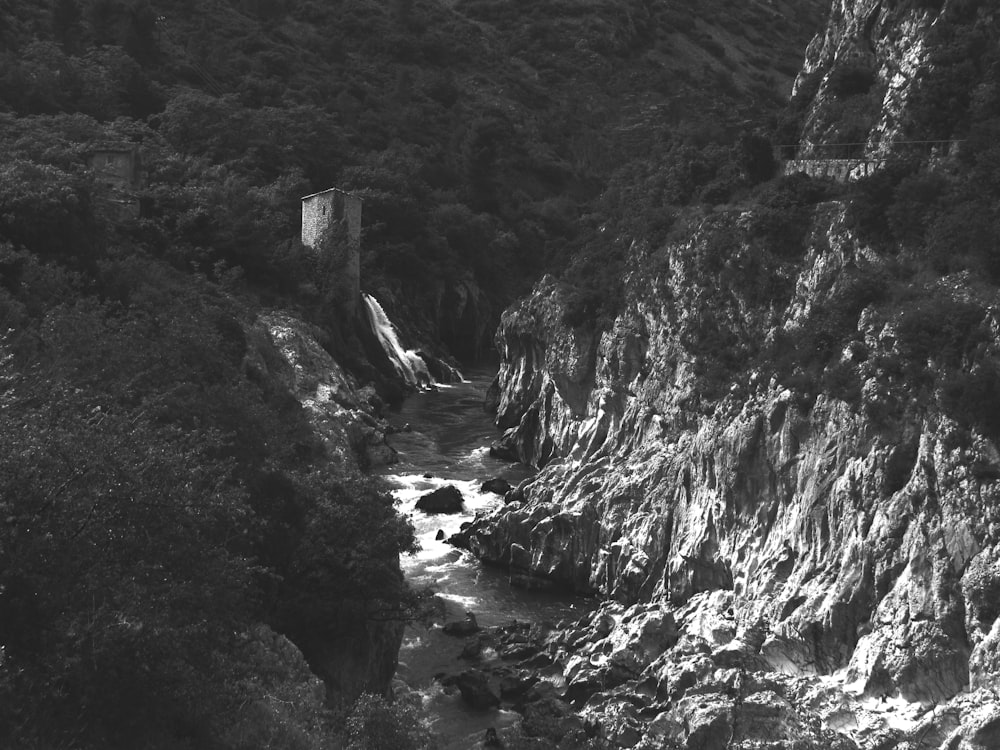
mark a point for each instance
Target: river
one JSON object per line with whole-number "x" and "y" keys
{"x": 448, "y": 443}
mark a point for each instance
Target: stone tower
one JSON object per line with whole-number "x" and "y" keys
{"x": 321, "y": 214}
{"x": 119, "y": 168}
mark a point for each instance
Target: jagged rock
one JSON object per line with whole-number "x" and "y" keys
{"x": 984, "y": 661}
{"x": 663, "y": 732}
{"x": 985, "y": 732}
{"x": 737, "y": 654}
{"x": 621, "y": 725}
{"x": 550, "y": 718}
{"x": 606, "y": 677}
{"x": 708, "y": 720}
{"x": 581, "y": 688}
{"x": 496, "y": 485}
{"x": 447, "y": 499}
{"x": 514, "y": 496}
{"x": 439, "y": 536}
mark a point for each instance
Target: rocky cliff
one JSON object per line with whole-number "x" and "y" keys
{"x": 872, "y": 52}
{"x": 353, "y": 653}
{"x": 762, "y": 449}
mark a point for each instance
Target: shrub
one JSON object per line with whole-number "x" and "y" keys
{"x": 755, "y": 157}
{"x": 376, "y": 724}
{"x": 912, "y": 208}
{"x": 939, "y": 328}
{"x": 867, "y": 211}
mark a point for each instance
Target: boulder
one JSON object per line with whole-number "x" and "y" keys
{"x": 445, "y": 499}
{"x": 708, "y": 720}
{"x": 497, "y": 486}
{"x": 463, "y": 628}
{"x": 474, "y": 685}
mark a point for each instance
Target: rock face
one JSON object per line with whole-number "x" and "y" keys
{"x": 851, "y": 545}
{"x": 362, "y": 655}
{"x": 340, "y": 410}
{"x": 830, "y": 554}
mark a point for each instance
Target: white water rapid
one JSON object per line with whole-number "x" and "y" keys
{"x": 447, "y": 443}
{"x": 407, "y": 362}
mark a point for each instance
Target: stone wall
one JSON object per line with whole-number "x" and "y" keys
{"x": 119, "y": 167}
{"x": 342, "y": 269}
{"x": 320, "y": 210}
{"x": 841, "y": 170}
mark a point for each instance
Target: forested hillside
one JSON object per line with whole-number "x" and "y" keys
{"x": 481, "y": 134}
{"x": 166, "y": 508}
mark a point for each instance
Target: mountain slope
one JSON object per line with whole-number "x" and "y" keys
{"x": 478, "y": 133}
{"x": 782, "y": 445}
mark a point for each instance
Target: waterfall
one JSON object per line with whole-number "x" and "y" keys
{"x": 408, "y": 364}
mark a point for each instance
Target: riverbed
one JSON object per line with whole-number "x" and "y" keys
{"x": 448, "y": 443}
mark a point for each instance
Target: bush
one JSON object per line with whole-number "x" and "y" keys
{"x": 868, "y": 209}
{"x": 940, "y": 328}
{"x": 376, "y": 724}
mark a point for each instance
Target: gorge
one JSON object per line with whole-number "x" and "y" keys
{"x": 743, "y": 433}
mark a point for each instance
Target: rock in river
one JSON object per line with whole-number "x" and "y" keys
{"x": 475, "y": 688}
{"x": 463, "y": 628}
{"x": 442, "y": 500}
{"x": 497, "y": 486}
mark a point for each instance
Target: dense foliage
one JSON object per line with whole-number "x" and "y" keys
{"x": 478, "y": 134}
{"x": 157, "y": 505}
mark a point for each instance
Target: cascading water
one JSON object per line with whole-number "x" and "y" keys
{"x": 407, "y": 362}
